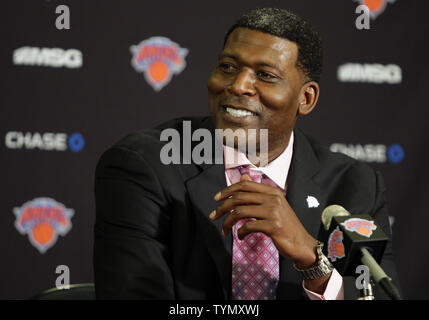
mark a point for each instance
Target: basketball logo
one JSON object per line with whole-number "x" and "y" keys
{"x": 159, "y": 59}
{"x": 43, "y": 219}
{"x": 335, "y": 245}
{"x": 362, "y": 227}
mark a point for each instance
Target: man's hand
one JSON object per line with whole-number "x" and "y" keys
{"x": 274, "y": 217}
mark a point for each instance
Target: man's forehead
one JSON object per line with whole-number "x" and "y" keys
{"x": 261, "y": 43}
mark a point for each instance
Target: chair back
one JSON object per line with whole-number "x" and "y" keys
{"x": 81, "y": 291}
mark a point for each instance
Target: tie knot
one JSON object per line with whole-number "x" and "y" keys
{"x": 253, "y": 174}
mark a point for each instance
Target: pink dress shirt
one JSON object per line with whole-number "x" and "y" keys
{"x": 277, "y": 170}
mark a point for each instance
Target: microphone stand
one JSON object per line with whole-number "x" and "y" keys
{"x": 366, "y": 292}
{"x": 379, "y": 275}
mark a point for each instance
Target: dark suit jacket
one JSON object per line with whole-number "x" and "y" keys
{"x": 153, "y": 236}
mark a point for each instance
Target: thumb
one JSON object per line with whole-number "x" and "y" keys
{"x": 245, "y": 177}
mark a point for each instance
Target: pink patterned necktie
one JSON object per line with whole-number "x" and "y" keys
{"x": 255, "y": 259}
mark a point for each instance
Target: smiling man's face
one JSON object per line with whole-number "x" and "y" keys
{"x": 256, "y": 85}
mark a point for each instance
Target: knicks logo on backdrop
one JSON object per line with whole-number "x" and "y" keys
{"x": 159, "y": 59}
{"x": 376, "y": 7}
{"x": 43, "y": 219}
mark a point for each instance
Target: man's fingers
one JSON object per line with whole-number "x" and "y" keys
{"x": 243, "y": 212}
{"x": 245, "y": 177}
{"x": 236, "y": 199}
{"x": 254, "y": 226}
{"x": 244, "y": 185}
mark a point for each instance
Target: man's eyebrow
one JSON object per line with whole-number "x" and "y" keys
{"x": 270, "y": 65}
{"x": 227, "y": 55}
{"x": 258, "y": 63}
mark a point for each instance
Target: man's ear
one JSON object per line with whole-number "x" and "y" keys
{"x": 308, "y": 97}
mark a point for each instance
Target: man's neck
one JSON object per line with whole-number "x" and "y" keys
{"x": 273, "y": 153}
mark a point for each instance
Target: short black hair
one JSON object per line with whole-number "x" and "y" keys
{"x": 285, "y": 24}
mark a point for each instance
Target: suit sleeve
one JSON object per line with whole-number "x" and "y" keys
{"x": 381, "y": 217}
{"x": 131, "y": 253}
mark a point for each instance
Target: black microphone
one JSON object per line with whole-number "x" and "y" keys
{"x": 352, "y": 240}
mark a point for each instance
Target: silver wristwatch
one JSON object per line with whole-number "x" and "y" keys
{"x": 323, "y": 267}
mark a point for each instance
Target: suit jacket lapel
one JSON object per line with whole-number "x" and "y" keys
{"x": 300, "y": 188}
{"x": 303, "y": 193}
{"x": 202, "y": 189}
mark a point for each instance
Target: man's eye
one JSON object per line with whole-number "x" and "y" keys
{"x": 265, "y": 75}
{"x": 227, "y": 67}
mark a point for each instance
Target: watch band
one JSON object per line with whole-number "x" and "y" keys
{"x": 323, "y": 268}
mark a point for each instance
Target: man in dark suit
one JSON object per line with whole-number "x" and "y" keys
{"x": 171, "y": 231}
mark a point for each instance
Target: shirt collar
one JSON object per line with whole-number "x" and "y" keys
{"x": 277, "y": 170}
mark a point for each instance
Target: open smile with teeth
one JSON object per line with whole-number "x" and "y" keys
{"x": 238, "y": 113}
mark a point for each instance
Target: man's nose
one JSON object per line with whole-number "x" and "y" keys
{"x": 243, "y": 84}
